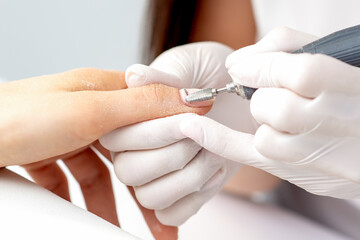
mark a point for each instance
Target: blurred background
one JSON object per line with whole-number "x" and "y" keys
{"x": 42, "y": 37}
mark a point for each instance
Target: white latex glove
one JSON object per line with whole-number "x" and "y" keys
{"x": 170, "y": 173}
{"x": 309, "y": 110}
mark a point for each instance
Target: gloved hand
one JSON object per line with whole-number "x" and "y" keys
{"x": 309, "y": 110}
{"x": 170, "y": 173}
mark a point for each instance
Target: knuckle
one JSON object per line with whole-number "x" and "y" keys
{"x": 304, "y": 73}
{"x": 166, "y": 218}
{"x": 186, "y": 153}
{"x": 284, "y": 111}
{"x": 279, "y": 34}
{"x": 90, "y": 130}
{"x": 153, "y": 92}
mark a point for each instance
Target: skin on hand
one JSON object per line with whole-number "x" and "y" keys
{"x": 43, "y": 119}
{"x": 56, "y": 114}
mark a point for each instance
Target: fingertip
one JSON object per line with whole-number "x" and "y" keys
{"x": 103, "y": 141}
{"x": 135, "y": 75}
{"x": 238, "y": 55}
{"x": 108, "y": 141}
{"x": 168, "y": 219}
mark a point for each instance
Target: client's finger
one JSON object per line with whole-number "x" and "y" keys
{"x": 51, "y": 177}
{"x": 108, "y": 110}
{"x": 82, "y": 117}
{"x": 158, "y": 230}
{"x": 81, "y": 79}
{"x": 95, "y": 182}
{"x": 95, "y": 113}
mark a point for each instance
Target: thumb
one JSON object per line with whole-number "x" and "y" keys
{"x": 108, "y": 110}
{"x": 256, "y": 65}
{"x": 280, "y": 39}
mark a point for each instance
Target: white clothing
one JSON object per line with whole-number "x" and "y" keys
{"x": 317, "y": 17}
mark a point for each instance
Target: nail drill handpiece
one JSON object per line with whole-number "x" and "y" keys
{"x": 343, "y": 45}
{"x": 210, "y": 93}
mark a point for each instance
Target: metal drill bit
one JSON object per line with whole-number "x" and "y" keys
{"x": 201, "y": 95}
{"x": 210, "y": 93}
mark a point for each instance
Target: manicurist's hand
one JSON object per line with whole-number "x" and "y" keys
{"x": 171, "y": 173}
{"x": 309, "y": 110}
{"x": 59, "y": 116}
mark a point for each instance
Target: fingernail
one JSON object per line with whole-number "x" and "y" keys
{"x": 187, "y": 91}
{"x": 135, "y": 77}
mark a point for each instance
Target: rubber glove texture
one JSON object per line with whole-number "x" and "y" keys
{"x": 171, "y": 173}
{"x": 309, "y": 110}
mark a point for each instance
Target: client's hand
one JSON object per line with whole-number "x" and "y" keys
{"x": 46, "y": 118}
